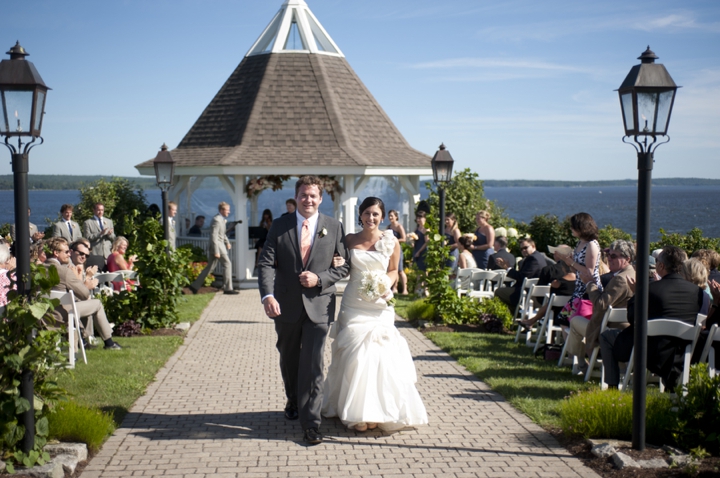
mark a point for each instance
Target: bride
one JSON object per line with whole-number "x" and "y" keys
{"x": 371, "y": 379}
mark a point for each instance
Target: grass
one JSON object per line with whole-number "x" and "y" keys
{"x": 534, "y": 386}
{"x": 401, "y": 304}
{"x": 191, "y": 306}
{"x": 72, "y": 422}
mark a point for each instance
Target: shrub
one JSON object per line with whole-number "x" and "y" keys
{"x": 699, "y": 412}
{"x": 608, "y": 414}
{"x": 41, "y": 356}
{"x": 196, "y": 253}
{"x": 5, "y": 232}
{"x": 420, "y": 310}
{"x": 690, "y": 242}
{"x": 608, "y": 234}
{"x": 193, "y": 271}
{"x": 547, "y": 230}
{"x": 497, "y": 309}
{"x": 120, "y": 198}
{"x": 72, "y": 422}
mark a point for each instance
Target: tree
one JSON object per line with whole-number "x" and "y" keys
{"x": 120, "y": 198}
{"x": 465, "y": 196}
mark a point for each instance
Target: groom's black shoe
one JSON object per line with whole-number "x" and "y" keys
{"x": 312, "y": 436}
{"x": 291, "y": 411}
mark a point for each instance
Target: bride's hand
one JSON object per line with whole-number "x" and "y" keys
{"x": 338, "y": 261}
{"x": 388, "y": 296}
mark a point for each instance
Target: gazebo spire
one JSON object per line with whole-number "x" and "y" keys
{"x": 294, "y": 29}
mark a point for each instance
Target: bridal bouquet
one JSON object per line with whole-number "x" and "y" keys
{"x": 375, "y": 285}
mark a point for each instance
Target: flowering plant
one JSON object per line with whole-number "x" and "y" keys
{"x": 257, "y": 185}
{"x": 376, "y": 285}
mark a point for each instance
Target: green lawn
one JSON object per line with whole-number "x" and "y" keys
{"x": 113, "y": 380}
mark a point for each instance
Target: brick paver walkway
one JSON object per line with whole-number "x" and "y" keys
{"x": 214, "y": 411}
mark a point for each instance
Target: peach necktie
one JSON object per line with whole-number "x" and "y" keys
{"x": 305, "y": 241}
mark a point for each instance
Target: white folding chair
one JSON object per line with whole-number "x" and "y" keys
{"x": 68, "y": 299}
{"x": 669, "y": 328}
{"x": 106, "y": 279}
{"x": 483, "y": 283}
{"x": 462, "y": 280}
{"x": 708, "y": 353}
{"x": 537, "y": 293}
{"x": 700, "y": 320}
{"x": 547, "y": 328}
{"x": 520, "y": 307}
{"x": 612, "y": 316}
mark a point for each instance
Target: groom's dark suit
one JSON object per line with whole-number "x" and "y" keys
{"x": 304, "y": 312}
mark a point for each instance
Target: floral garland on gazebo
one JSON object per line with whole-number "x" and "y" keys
{"x": 257, "y": 185}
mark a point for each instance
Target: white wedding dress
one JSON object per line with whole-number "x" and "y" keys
{"x": 372, "y": 377}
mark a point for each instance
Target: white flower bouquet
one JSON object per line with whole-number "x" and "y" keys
{"x": 376, "y": 285}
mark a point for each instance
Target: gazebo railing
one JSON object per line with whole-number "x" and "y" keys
{"x": 202, "y": 242}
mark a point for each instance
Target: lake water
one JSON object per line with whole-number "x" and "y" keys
{"x": 675, "y": 209}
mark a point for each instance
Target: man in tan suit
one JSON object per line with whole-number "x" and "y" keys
{"x": 67, "y": 228}
{"x": 100, "y": 232}
{"x": 217, "y": 251}
{"x": 89, "y": 309}
{"x": 35, "y": 235}
{"x": 172, "y": 211}
{"x": 616, "y": 294}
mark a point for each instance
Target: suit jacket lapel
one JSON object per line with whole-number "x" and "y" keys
{"x": 294, "y": 239}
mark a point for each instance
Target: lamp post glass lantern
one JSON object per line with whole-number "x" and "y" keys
{"x": 22, "y": 103}
{"x": 647, "y": 97}
{"x": 164, "y": 173}
{"x": 442, "y": 165}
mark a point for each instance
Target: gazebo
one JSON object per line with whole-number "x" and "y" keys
{"x": 293, "y": 106}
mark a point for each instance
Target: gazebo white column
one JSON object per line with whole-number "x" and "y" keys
{"x": 349, "y": 201}
{"x": 241, "y": 231}
{"x": 411, "y": 186}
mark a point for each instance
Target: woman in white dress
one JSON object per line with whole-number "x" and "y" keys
{"x": 371, "y": 379}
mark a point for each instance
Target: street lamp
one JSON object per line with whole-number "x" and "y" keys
{"x": 164, "y": 173}
{"x": 442, "y": 164}
{"x": 646, "y": 98}
{"x": 22, "y": 94}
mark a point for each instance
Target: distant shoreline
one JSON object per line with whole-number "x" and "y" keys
{"x": 38, "y": 182}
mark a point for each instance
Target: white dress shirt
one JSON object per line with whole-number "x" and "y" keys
{"x": 313, "y": 227}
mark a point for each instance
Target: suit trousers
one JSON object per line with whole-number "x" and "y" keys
{"x": 212, "y": 262}
{"x": 575, "y": 344}
{"x": 302, "y": 345}
{"x": 94, "y": 314}
{"x": 509, "y": 295}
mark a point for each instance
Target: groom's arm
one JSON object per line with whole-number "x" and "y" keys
{"x": 330, "y": 276}
{"x": 266, "y": 274}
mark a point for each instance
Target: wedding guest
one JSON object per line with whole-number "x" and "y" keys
{"x": 196, "y": 230}
{"x": 7, "y": 264}
{"x": 711, "y": 261}
{"x": 290, "y": 206}
{"x": 484, "y": 239}
{"x": 452, "y": 234}
{"x": 79, "y": 253}
{"x": 420, "y": 246}
{"x": 100, "y": 231}
{"x": 561, "y": 280}
{"x": 67, "y": 228}
{"x": 617, "y": 293}
{"x": 694, "y": 271}
{"x": 465, "y": 258}
{"x": 35, "y": 235}
{"x": 265, "y": 223}
{"x": 117, "y": 262}
{"x": 172, "y": 211}
{"x": 399, "y": 232}
{"x": 37, "y": 252}
{"x": 530, "y": 268}
{"x": 501, "y": 252}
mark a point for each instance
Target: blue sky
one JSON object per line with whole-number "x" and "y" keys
{"x": 515, "y": 89}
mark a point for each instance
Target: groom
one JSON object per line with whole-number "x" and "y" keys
{"x": 297, "y": 287}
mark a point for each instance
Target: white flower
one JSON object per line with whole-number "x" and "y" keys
{"x": 323, "y": 232}
{"x": 512, "y": 232}
{"x": 374, "y": 285}
{"x": 386, "y": 244}
{"x": 501, "y": 232}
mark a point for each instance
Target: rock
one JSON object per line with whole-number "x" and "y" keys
{"x": 184, "y": 326}
{"x": 603, "y": 450}
{"x": 2, "y": 466}
{"x": 654, "y": 463}
{"x": 423, "y": 323}
{"x": 681, "y": 461}
{"x": 622, "y": 461}
{"x": 53, "y": 469}
{"x": 78, "y": 450}
{"x": 69, "y": 462}
{"x": 672, "y": 450}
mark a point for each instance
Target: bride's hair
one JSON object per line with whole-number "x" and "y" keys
{"x": 370, "y": 201}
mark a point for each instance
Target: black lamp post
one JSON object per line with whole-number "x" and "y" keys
{"x": 164, "y": 173}
{"x": 22, "y": 94}
{"x": 646, "y": 98}
{"x": 442, "y": 164}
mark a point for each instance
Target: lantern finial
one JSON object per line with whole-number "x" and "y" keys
{"x": 17, "y": 52}
{"x": 648, "y": 56}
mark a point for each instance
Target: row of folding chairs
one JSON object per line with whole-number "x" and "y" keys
{"x": 480, "y": 283}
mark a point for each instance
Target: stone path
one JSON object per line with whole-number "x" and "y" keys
{"x": 214, "y": 411}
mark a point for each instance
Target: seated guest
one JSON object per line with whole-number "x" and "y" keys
{"x": 35, "y": 235}
{"x": 465, "y": 259}
{"x": 561, "y": 283}
{"x": 37, "y": 252}
{"x": 79, "y": 253}
{"x": 196, "y": 230}
{"x": 500, "y": 246}
{"x": 7, "y": 264}
{"x": 290, "y": 206}
{"x": 67, "y": 228}
{"x": 116, "y": 262}
{"x": 617, "y": 293}
{"x": 89, "y": 309}
{"x": 695, "y": 272}
{"x": 671, "y": 297}
{"x": 532, "y": 264}
{"x": 711, "y": 261}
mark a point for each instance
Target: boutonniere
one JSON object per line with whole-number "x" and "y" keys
{"x": 323, "y": 232}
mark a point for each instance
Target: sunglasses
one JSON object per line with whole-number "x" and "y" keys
{"x": 614, "y": 256}
{"x": 81, "y": 254}
{"x": 525, "y": 248}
